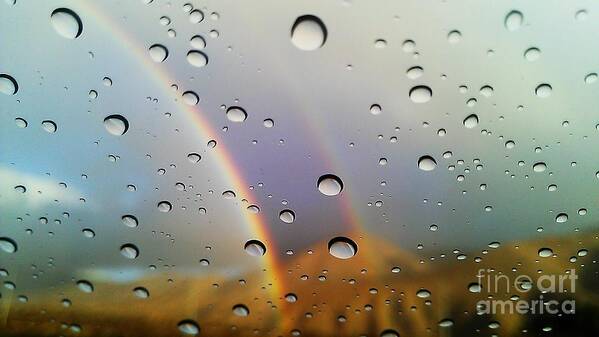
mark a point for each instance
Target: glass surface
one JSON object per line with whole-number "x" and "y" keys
{"x": 299, "y": 168}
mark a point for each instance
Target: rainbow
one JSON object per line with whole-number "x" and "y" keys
{"x": 256, "y": 224}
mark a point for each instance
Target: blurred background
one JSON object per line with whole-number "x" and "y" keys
{"x": 297, "y": 168}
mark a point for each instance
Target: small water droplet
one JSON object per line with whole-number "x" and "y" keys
{"x": 85, "y": 286}
{"x": 190, "y": 98}
{"x": 539, "y": 167}
{"x": 129, "y": 221}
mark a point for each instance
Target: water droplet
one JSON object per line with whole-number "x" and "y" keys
{"x": 197, "y": 42}
{"x": 539, "y": 167}
{"x": 423, "y": 293}
{"x": 194, "y": 157}
{"x": 375, "y": 109}
{"x": 389, "y": 333}
{"x": 582, "y": 252}
{"x": 241, "y": 310}
{"x": 158, "y": 53}
{"x": 66, "y": 23}
{"x": 129, "y": 251}
{"x": 445, "y": 323}
{"x": 196, "y": 58}
{"x": 255, "y": 248}
{"x": 228, "y": 194}
{"x": 590, "y": 78}
{"x": 471, "y": 121}
{"x": 88, "y": 233}
{"x": 49, "y": 126}
{"x": 268, "y": 123}
{"x": 85, "y": 286}
{"x": 287, "y": 216}
{"x": 561, "y": 218}
{"x": 342, "y": 247}
{"x": 308, "y": 33}
{"x": 8, "y": 85}
{"x": 141, "y": 292}
{"x": 330, "y": 185}
{"x": 164, "y": 206}
{"x": 414, "y": 73}
{"x": 427, "y": 163}
{"x": 513, "y": 20}
{"x": 474, "y": 288}
{"x": 129, "y": 221}
{"x": 196, "y": 16}
{"x": 189, "y": 327}
{"x": 454, "y": 36}
{"x": 545, "y": 252}
{"x": 190, "y": 98}
{"x": 8, "y": 245}
{"x": 421, "y": 94}
{"x": 532, "y": 54}
{"x": 116, "y": 125}
{"x": 236, "y": 114}
{"x": 291, "y": 298}
{"x": 543, "y": 90}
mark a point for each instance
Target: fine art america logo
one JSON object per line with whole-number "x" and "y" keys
{"x": 549, "y": 294}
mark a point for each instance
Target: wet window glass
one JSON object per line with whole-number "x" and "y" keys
{"x": 299, "y": 168}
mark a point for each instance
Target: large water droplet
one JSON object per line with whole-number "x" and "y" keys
{"x": 255, "y": 248}
{"x": 197, "y": 58}
{"x": 49, "y": 126}
{"x": 545, "y": 252}
{"x": 189, "y": 327}
{"x": 427, "y": 163}
{"x": 158, "y": 53}
{"x": 543, "y": 90}
{"x": 474, "y": 287}
{"x": 164, "y": 206}
{"x": 423, "y": 293}
{"x": 85, "y": 286}
{"x": 129, "y": 221}
{"x": 241, "y": 310}
{"x": 129, "y": 251}
{"x": 539, "y": 167}
{"x": 66, "y": 23}
{"x": 287, "y": 216}
{"x": 190, "y": 98}
{"x": 236, "y": 114}
{"x": 471, "y": 121}
{"x": 421, "y": 94}
{"x": 8, "y": 245}
{"x": 308, "y": 33}
{"x": 116, "y": 125}
{"x": 513, "y": 20}
{"x": 141, "y": 292}
{"x": 342, "y": 247}
{"x": 8, "y": 85}
{"x": 330, "y": 184}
